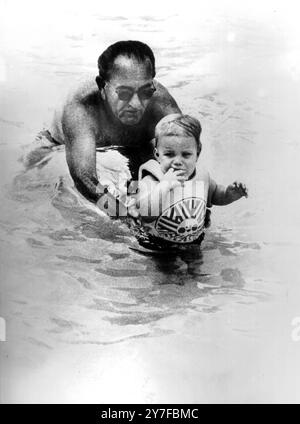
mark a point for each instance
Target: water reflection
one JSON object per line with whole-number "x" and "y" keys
{"x": 74, "y": 281}
{"x": 131, "y": 287}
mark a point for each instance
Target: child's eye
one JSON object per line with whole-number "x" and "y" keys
{"x": 169, "y": 154}
{"x": 186, "y": 155}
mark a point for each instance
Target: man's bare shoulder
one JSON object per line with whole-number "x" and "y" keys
{"x": 163, "y": 103}
{"x": 85, "y": 94}
{"x": 78, "y": 115}
{"x": 77, "y": 109}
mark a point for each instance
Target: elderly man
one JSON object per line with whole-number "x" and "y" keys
{"x": 121, "y": 110}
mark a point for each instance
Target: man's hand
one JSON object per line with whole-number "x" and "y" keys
{"x": 236, "y": 190}
{"x": 132, "y": 208}
{"x": 109, "y": 203}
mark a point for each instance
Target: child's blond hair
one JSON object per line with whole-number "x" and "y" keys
{"x": 170, "y": 123}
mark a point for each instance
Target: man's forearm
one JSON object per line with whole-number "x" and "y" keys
{"x": 87, "y": 184}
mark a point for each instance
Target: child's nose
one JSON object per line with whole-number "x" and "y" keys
{"x": 177, "y": 160}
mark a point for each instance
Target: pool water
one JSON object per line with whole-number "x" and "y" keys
{"x": 89, "y": 319}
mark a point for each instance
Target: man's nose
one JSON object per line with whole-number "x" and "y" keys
{"x": 135, "y": 101}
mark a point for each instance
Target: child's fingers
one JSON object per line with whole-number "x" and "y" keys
{"x": 180, "y": 175}
{"x": 175, "y": 183}
{"x": 240, "y": 187}
{"x": 179, "y": 171}
{"x": 170, "y": 171}
{"x": 236, "y": 184}
{"x": 170, "y": 175}
{"x": 245, "y": 190}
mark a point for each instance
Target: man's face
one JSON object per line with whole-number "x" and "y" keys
{"x": 129, "y": 90}
{"x": 178, "y": 152}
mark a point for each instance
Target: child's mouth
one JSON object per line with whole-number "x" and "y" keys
{"x": 178, "y": 169}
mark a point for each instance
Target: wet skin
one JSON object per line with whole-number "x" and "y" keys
{"x": 98, "y": 117}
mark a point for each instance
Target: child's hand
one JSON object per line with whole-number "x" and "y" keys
{"x": 236, "y": 190}
{"x": 175, "y": 177}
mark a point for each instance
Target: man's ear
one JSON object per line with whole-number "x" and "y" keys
{"x": 100, "y": 84}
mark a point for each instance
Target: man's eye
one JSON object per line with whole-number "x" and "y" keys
{"x": 124, "y": 94}
{"x": 146, "y": 93}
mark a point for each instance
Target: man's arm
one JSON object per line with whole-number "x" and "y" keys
{"x": 80, "y": 145}
{"x": 80, "y": 142}
{"x": 163, "y": 103}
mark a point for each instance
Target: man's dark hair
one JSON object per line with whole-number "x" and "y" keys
{"x": 128, "y": 48}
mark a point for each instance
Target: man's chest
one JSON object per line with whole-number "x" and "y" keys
{"x": 112, "y": 136}
{"x": 135, "y": 145}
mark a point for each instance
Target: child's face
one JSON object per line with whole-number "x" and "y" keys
{"x": 177, "y": 152}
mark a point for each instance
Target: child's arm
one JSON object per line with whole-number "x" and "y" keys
{"x": 151, "y": 192}
{"x": 225, "y": 195}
